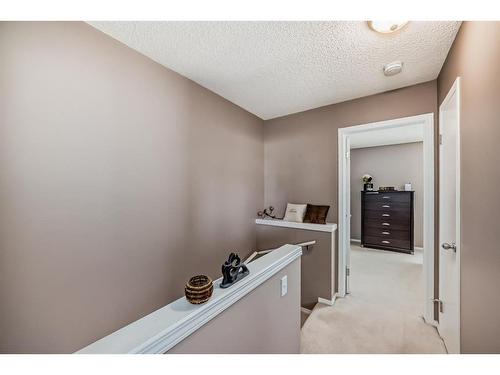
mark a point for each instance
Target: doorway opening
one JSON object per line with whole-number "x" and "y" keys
{"x": 398, "y": 131}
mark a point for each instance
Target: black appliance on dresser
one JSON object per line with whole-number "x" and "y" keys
{"x": 387, "y": 220}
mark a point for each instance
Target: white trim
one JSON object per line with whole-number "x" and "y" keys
{"x": 305, "y": 311}
{"x": 458, "y": 209}
{"x": 332, "y": 266}
{"x": 328, "y": 302}
{"x": 354, "y": 240}
{"x": 428, "y": 214}
{"x": 161, "y": 330}
{"x": 427, "y": 121}
{"x": 344, "y": 225}
{"x": 455, "y": 89}
{"x": 328, "y": 227}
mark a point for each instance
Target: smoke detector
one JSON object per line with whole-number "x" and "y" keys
{"x": 386, "y": 27}
{"x": 393, "y": 68}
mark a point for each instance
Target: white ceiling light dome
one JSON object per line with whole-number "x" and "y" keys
{"x": 387, "y": 27}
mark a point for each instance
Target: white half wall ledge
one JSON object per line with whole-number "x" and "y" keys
{"x": 328, "y": 227}
{"x": 164, "y": 328}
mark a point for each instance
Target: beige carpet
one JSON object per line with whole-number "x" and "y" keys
{"x": 382, "y": 314}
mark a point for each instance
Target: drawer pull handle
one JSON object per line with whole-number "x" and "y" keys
{"x": 386, "y": 241}
{"x": 386, "y": 232}
{"x": 385, "y": 206}
{"x": 386, "y": 224}
{"x": 386, "y": 197}
{"x": 386, "y": 215}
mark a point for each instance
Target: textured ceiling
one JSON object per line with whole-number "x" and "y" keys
{"x": 384, "y": 137}
{"x": 273, "y": 69}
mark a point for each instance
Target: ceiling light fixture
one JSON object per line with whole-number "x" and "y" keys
{"x": 386, "y": 27}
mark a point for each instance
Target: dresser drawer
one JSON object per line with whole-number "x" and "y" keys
{"x": 394, "y": 216}
{"x": 388, "y": 234}
{"x": 378, "y": 241}
{"x": 388, "y": 206}
{"x": 388, "y": 197}
{"x": 387, "y": 223}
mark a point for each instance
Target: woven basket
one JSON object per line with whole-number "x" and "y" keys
{"x": 199, "y": 289}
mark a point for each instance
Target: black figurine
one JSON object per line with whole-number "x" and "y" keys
{"x": 267, "y": 212}
{"x": 233, "y": 271}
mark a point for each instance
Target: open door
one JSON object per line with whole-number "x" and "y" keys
{"x": 449, "y": 219}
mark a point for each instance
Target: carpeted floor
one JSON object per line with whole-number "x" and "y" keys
{"x": 382, "y": 314}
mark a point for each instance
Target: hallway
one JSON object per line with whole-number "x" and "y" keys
{"x": 381, "y": 315}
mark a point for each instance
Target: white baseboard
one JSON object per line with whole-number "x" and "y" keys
{"x": 328, "y": 302}
{"x": 305, "y": 311}
{"x": 354, "y": 240}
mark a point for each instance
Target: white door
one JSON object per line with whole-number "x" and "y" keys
{"x": 449, "y": 219}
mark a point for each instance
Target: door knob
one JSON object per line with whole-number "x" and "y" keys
{"x": 447, "y": 246}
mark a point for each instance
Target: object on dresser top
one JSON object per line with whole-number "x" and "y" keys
{"x": 386, "y": 188}
{"x": 295, "y": 212}
{"x": 367, "y": 182}
{"x": 267, "y": 212}
{"x": 387, "y": 220}
{"x": 316, "y": 214}
{"x": 199, "y": 289}
{"x": 233, "y": 271}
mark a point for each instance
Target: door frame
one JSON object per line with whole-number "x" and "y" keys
{"x": 455, "y": 90}
{"x": 427, "y": 122}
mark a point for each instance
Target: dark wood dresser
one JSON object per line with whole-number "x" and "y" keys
{"x": 387, "y": 220}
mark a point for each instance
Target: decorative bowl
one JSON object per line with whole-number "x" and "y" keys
{"x": 199, "y": 289}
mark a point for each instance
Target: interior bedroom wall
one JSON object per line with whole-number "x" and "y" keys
{"x": 300, "y": 150}
{"x": 119, "y": 179}
{"x": 475, "y": 57}
{"x": 392, "y": 165}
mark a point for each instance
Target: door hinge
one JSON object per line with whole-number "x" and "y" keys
{"x": 440, "y": 139}
{"x": 440, "y": 304}
{"x": 347, "y": 154}
{"x": 348, "y": 272}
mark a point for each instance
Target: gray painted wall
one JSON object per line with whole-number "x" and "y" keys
{"x": 390, "y": 166}
{"x": 475, "y": 57}
{"x": 119, "y": 179}
{"x": 301, "y": 149}
{"x": 319, "y": 267}
{"x": 262, "y": 322}
{"x": 111, "y": 169}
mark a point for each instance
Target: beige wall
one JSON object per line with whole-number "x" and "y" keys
{"x": 318, "y": 263}
{"x": 112, "y": 169}
{"x": 301, "y": 149}
{"x": 263, "y": 322}
{"x": 390, "y": 166}
{"x": 119, "y": 179}
{"x": 475, "y": 57}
